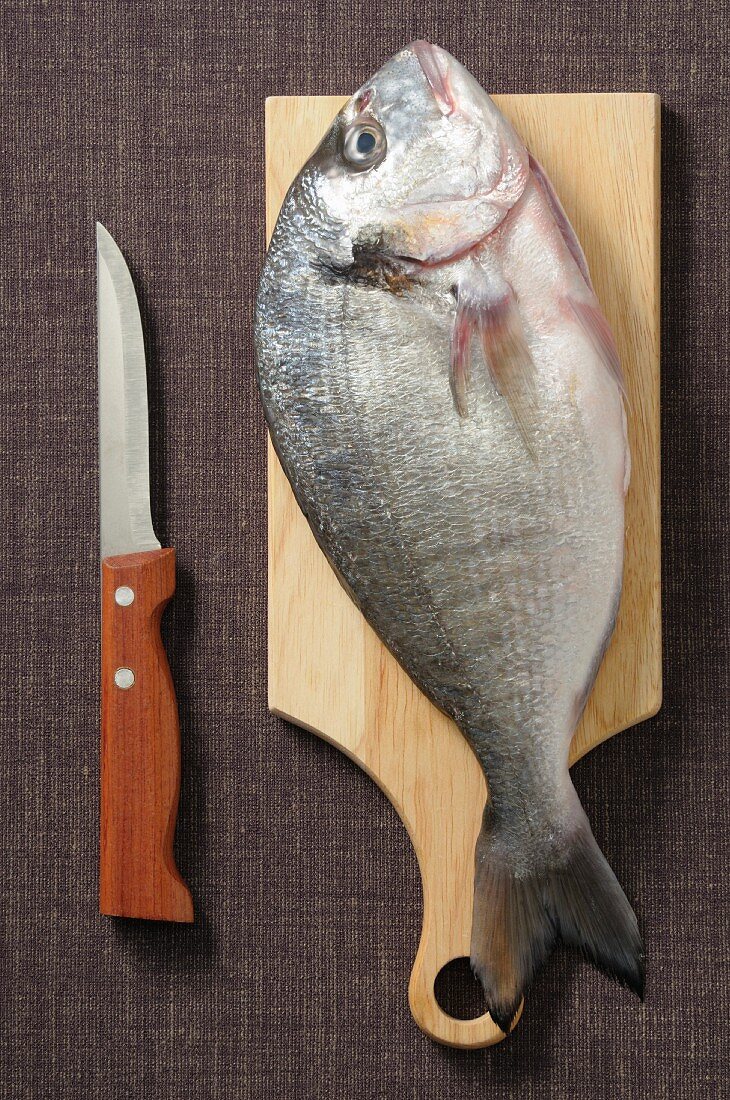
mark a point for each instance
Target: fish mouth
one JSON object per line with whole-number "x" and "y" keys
{"x": 435, "y": 65}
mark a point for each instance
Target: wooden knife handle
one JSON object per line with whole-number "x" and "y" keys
{"x": 140, "y": 743}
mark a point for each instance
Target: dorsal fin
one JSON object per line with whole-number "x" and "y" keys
{"x": 598, "y": 331}
{"x": 590, "y": 316}
{"x": 561, "y": 219}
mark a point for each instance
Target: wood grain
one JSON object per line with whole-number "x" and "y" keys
{"x": 329, "y": 673}
{"x": 140, "y": 746}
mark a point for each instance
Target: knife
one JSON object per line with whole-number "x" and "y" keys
{"x": 140, "y": 733}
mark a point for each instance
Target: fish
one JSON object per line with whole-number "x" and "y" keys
{"x": 445, "y": 396}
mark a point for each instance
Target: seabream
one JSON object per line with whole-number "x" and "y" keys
{"x": 446, "y": 400}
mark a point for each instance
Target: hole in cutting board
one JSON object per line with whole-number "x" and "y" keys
{"x": 458, "y": 991}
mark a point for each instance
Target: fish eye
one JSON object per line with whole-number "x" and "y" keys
{"x": 364, "y": 144}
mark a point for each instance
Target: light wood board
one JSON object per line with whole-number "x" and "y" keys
{"x": 329, "y": 673}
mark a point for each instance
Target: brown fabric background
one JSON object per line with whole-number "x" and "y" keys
{"x": 292, "y": 983}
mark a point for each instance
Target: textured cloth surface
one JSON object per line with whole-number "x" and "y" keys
{"x": 292, "y": 983}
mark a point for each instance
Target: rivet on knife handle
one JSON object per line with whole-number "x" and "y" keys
{"x": 140, "y": 748}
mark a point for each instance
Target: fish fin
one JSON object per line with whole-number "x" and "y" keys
{"x": 491, "y": 313}
{"x": 519, "y": 916}
{"x": 561, "y": 218}
{"x": 598, "y": 331}
{"x": 509, "y": 361}
{"x": 460, "y": 357}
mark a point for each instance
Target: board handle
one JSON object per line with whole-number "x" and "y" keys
{"x": 428, "y": 1014}
{"x": 140, "y": 744}
{"x": 444, "y": 844}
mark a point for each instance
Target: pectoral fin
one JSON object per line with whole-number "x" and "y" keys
{"x": 510, "y": 364}
{"x": 490, "y": 312}
{"x": 460, "y": 365}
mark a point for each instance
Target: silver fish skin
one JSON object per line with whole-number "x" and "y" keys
{"x": 445, "y": 397}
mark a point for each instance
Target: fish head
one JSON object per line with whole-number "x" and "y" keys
{"x": 419, "y": 164}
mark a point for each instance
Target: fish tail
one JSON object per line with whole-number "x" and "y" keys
{"x": 524, "y": 906}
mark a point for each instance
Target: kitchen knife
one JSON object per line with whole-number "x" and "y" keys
{"x": 140, "y": 734}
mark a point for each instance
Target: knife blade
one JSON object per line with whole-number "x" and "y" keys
{"x": 140, "y": 732}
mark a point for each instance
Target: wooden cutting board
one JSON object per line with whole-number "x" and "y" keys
{"x": 329, "y": 673}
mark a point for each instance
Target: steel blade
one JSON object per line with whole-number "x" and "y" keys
{"x": 124, "y": 463}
